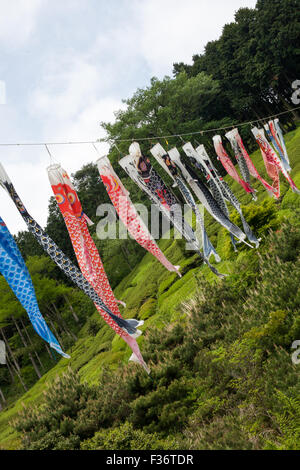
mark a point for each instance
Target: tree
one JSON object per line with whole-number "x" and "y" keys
{"x": 255, "y": 60}
{"x": 28, "y": 245}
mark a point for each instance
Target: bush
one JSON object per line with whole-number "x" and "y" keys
{"x": 125, "y": 437}
{"x": 217, "y": 379}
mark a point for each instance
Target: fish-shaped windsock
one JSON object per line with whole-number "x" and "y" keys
{"x": 119, "y": 196}
{"x": 202, "y": 162}
{"x": 14, "y": 270}
{"x": 242, "y": 155}
{"x": 266, "y": 152}
{"x": 202, "y": 158}
{"x": 126, "y": 328}
{"x": 239, "y": 156}
{"x": 272, "y": 161}
{"x": 139, "y": 168}
{"x": 165, "y": 160}
{"x": 281, "y": 138}
{"x": 228, "y": 165}
{"x": 209, "y": 201}
{"x": 85, "y": 249}
{"x": 273, "y": 136}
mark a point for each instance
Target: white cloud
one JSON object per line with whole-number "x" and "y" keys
{"x": 76, "y": 87}
{"x": 174, "y": 30}
{"x": 72, "y": 100}
{"x": 18, "y": 20}
{"x": 69, "y": 104}
{"x": 66, "y": 88}
{"x": 30, "y": 183}
{"x": 85, "y": 126}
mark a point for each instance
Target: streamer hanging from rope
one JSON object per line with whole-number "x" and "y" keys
{"x": 206, "y": 169}
{"x": 241, "y": 154}
{"x": 210, "y": 203}
{"x": 127, "y": 327}
{"x": 281, "y": 138}
{"x": 140, "y": 170}
{"x": 202, "y": 156}
{"x": 270, "y": 166}
{"x": 167, "y": 199}
{"x": 228, "y": 165}
{"x": 208, "y": 173}
{"x": 273, "y": 136}
{"x": 272, "y": 161}
{"x": 166, "y": 162}
{"x": 85, "y": 249}
{"x": 128, "y": 214}
{"x": 14, "y": 270}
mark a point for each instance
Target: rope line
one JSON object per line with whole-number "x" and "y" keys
{"x": 110, "y": 140}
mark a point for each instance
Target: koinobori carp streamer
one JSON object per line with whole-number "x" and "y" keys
{"x": 201, "y": 158}
{"x": 87, "y": 254}
{"x": 166, "y": 161}
{"x": 271, "y": 131}
{"x": 119, "y": 196}
{"x": 211, "y": 203}
{"x": 228, "y": 165}
{"x": 140, "y": 170}
{"x": 241, "y": 154}
{"x": 272, "y": 161}
{"x": 281, "y": 138}
{"x": 66, "y": 265}
{"x": 14, "y": 270}
{"x": 201, "y": 161}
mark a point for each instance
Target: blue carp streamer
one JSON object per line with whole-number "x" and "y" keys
{"x": 14, "y": 270}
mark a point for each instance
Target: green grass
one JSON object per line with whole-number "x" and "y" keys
{"x": 153, "y": 294}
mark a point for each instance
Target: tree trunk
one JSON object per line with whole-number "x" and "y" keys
{"x": 55, "y": 331}
{"x": 19, "y": 375}
{"x": 26, "y": 345}
{"x": 48, "y": 351}
{"x": 30, "y": 342}
{"x": 71, "y": 308}
{"x": 126, "y": 254}
{"x": 2, "y": 396}
{"x": 35, "y": 366}
{"x": 19, "y": 331}
{"x": 59, "y": 315}
{"x": 9, "y": 369}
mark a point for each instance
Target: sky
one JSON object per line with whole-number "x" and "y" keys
{"x": 66, "y": 66}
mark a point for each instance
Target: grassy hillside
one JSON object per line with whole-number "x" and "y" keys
{"x": 153, "y": 294}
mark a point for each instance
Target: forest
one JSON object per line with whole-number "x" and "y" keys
{"x": 222, "y": 376}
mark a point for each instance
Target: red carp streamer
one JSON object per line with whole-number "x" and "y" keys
{"x": 120, "y": 198}
{"x": 87, "y": 254}
{"x": 238, "y": 145}
{"x": 272, "y": 161}
{"x": 228, "y": 165}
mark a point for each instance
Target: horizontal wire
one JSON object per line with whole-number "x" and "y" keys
{"x": 110, "y": 140}
{"x": 51, "y": 143}
{"x": 203, "y": 131}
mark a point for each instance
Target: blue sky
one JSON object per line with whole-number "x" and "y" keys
{"x": 67, "y": 66}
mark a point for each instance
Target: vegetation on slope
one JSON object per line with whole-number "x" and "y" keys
{"x": 246, "y": 74}
{"x": 220, "y": 362}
